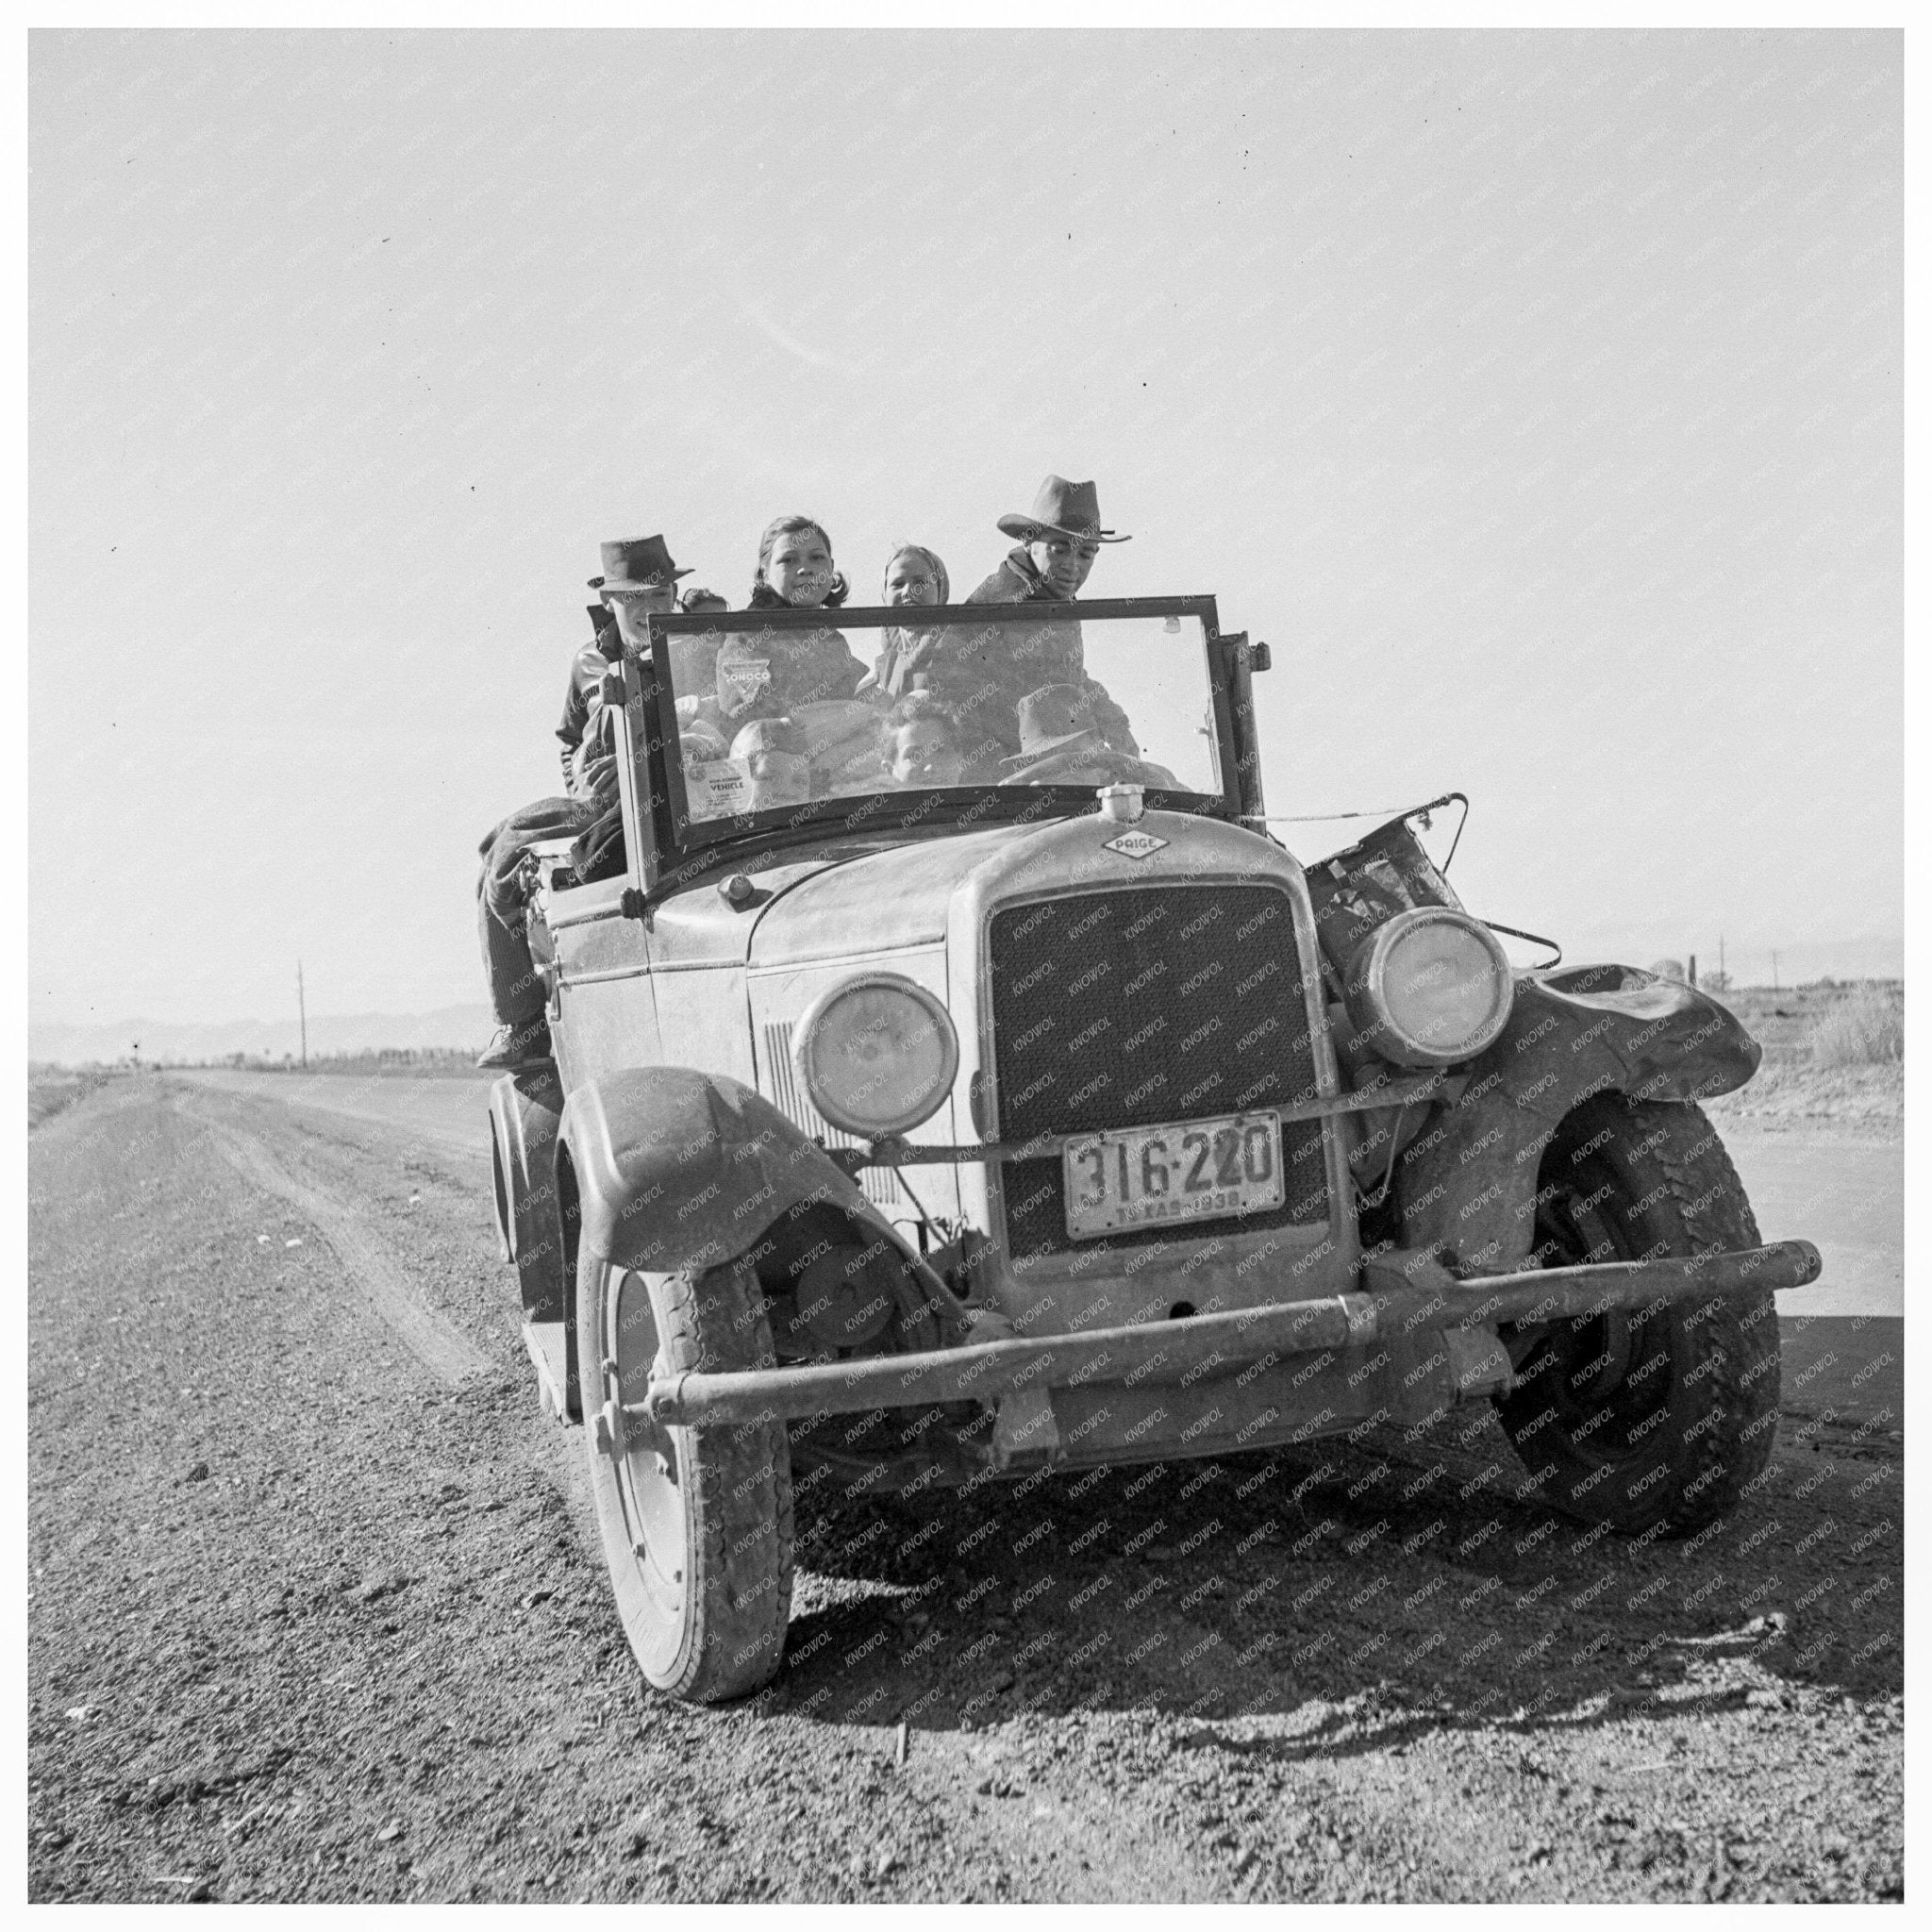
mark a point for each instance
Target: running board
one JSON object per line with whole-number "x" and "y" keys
{"x": 548, "y": 1348}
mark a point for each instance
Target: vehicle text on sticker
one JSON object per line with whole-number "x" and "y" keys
{"x": 1135, "y": 845}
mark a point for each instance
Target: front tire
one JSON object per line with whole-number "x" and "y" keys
{"x": 1644, "y": 1418}
{"x": 696, "y": 1521}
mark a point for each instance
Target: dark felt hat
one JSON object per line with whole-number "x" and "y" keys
{"x": 1062, "y": 510}
{"x": 639, "y": 563}
{"x": 769, "y": 735}
{"x": 1053, "y": 717}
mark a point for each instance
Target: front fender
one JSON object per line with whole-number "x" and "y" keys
{"x": 679, "y": 1169}
{"x": 1466, "y": 1188}
{"x": 1656, "y": 1038}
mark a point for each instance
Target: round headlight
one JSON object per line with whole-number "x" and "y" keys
{"x": 1430, "y": 988}
{"x": 876, "y": 1053}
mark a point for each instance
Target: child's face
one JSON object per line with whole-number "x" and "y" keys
{"x": 924, "y": 754}
{"x": 801, "y": 569}
{"x": 910, "y": 580}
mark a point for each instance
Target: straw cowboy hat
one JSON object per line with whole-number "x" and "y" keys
{"x": 637, "y": 563}
{"x": 1062, "y": 510}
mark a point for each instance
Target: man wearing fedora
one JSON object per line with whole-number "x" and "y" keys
{"x": 1059, "y": 542}
{"x": 1060, "y": 743}
{"x": 638, "y": 577}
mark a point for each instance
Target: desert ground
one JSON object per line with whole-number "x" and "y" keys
{"x": 318, "y": 1612}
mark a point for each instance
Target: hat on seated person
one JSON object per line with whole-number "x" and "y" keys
{"x": 773, "y": 752}
{"x": 764, "y": 735}
{"x": 637, "y": 563}
{"x": 1062, "y": 510}
{"x": 1052, "y": 720}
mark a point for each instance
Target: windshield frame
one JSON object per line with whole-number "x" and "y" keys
{"x": 683, "y": 848}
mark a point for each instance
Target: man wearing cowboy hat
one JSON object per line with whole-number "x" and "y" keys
{"x": 638, "y": 577}
{"x": 1059, "y": 543}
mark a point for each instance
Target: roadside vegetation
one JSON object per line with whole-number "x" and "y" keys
{"x": 432, "y": 1062}
{"x": 49, "y": 1090}
{"x": 1867, "y": 1027}
{"x": 1834, "y": 1057}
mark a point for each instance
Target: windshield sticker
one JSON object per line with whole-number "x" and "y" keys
{"x": 748, "y": 679}
{"x": 717, "y": 787}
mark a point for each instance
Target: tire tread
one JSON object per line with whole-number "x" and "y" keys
{"x": 1699, "y": 1173}
{"x": 1722, "y": 1429}
{"x": 742, "y": 1588}
{"x": 737, "y": 1485}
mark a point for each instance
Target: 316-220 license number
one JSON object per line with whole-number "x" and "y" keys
{"x": 1185, "y": 1171}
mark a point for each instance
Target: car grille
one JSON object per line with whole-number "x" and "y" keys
{"x": 1124, "y": 1010}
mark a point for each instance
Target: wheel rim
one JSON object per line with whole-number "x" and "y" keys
{"x": 646, "y": 1476}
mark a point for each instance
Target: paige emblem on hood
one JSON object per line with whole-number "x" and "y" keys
{"x": 1135, "y": 845}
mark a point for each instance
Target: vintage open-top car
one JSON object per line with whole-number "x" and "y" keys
{"x": 930, "y": 1110}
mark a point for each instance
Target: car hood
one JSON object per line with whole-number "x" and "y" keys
{"x": 898, "y": 897}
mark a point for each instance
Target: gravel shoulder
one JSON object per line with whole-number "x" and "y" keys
{"x": 317, "y": 1613}
{"x": 1850, "y": 1103}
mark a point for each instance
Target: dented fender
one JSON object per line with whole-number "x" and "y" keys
{"x": 1650, "y": 1038}
{"x": 680, "y": 1168}
{"x": 1466, "y": 1186}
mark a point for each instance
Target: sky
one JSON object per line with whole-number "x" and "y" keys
{"x": 1536, "y": 397}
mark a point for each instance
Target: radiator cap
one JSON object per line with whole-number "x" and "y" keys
{"x": 1121, "y": 804}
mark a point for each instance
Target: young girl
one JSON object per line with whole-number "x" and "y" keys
{"x": 914, "y": 576}
{"x": 766, "y": 674}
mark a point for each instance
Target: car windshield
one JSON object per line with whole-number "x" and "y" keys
{"x": 912, "y": 709}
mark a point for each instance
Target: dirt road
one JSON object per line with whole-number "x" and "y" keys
{"x": 317, "y": 1612}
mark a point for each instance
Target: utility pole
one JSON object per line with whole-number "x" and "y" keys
{"x": 302, "y": 1007}
{"x": 1774, "y": 972}
{"x": 1724, "y": 978}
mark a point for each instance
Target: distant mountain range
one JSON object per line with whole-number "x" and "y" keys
{"x": 469, "y": 1026}
{"x": 448, "y": 1026}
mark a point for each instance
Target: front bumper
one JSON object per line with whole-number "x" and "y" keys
{"x": 1401, "y": 1292}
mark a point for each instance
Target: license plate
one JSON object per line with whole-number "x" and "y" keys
{"x": 1187, "y": 1171}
